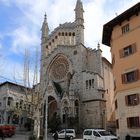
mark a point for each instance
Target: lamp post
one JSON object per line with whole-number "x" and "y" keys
{"x": 66, "y": 113}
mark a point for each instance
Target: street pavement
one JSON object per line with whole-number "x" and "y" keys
{"x": 18, "y": 137}
{"x": 25, "y": 136}
{"x": 51, "y": 138}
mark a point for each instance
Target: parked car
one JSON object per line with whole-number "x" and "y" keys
{"x": 8, "y": 129}
{"x": 66, "y": 133}
{"x": 98, "y": 134}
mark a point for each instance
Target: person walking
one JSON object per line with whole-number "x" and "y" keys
{"x": 55, "y": 135}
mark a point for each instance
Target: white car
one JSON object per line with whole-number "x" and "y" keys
{"x": 98, "y": 134}
{"x": 66, "y": 133}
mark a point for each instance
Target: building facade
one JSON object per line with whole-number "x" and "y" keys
{"x": 122, "y": 35}
{"x": 72, "y": 78}
{"x": 15, "y": 105}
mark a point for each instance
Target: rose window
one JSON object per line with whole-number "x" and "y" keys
{"x": 59, "y": 68}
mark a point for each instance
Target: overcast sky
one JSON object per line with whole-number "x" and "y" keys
{"x": 21, "y": 21}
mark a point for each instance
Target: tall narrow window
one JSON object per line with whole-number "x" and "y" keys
{"x": 89, "y": 83}
{"x": 117, "y": 124}
{"x": 86, "y": 84}
{"x": 125, "y": 29}
{"x": 9, "y": 101}
{"x": 116, "y": 104}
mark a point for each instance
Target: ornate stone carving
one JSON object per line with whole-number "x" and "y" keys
{"x": 59, "y": 69}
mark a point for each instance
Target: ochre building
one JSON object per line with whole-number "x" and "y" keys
{"x": 122, "y": 34}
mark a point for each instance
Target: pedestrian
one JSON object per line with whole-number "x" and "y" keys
{"x": 55, "y": 135}
{"x": 1, "y": 134}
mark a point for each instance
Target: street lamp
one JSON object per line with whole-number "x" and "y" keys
{"x": 66, "y": 113}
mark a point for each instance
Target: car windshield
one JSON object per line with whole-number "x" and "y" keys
{"x": 104, "y": 133}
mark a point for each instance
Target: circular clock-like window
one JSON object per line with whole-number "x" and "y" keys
{"x": 59, "y": 68}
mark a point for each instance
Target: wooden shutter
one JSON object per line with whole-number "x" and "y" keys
{"x": 137, "y": 97}
{"x": 128, "y": 123}
{"x": 121, "y": 53}
{"x": 134, "y": 48}
{"x": 137, "y": 74}
{"x": 124, "y": 78}
{"x": 136, "y": 121}
{"x": 126, "y": 100}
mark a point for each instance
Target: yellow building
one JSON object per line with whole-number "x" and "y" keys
{"x": 122, "y": 34}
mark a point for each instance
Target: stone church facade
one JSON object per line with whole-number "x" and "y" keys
{"x": 72, "y": 76}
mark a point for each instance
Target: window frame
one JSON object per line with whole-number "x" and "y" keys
{"x": 131, "y": 76}
{"x": 133, "y": 122}
{"x": 130, "y": 100}
{"x": 126, "y": 28}
{"x": 128, "y": 50}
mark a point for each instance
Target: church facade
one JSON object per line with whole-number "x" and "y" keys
{"x": 72, "y": 76}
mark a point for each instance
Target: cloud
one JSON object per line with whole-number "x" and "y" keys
{"x": 5, "y": 2}
{"x": 24, "y": 38}
{"x": 14, "y": 71}
{"x": 26, "y": 33}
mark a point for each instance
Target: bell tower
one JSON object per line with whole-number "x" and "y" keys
{"x": 79, "y": 20}
{"x": 44, "y": 37}
{"x": 45, "y": 30}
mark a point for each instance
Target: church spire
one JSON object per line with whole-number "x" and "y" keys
{"x": 79, "y": 12}
{"x": 79, "y": 21}
{"x": 45, "y": 28}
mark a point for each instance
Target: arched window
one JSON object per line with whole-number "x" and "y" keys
{"x": 9, "y": 101}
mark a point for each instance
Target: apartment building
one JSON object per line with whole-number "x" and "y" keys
{"x": 122, "y": 35}
{"x": 15, "y": 105}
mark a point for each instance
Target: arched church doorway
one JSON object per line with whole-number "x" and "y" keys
{"x": 52, "y": 108}
{"x": 53, "y": 117}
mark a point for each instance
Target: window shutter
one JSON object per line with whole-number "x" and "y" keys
{"x": 124, "y": 78}
{"x": 134, "y": 48}
{"x": 128, "y": 123}
{"x": 126, "y": 100}
{"x": 121, "y": 53}
{"x": 137, "y": 75}
{"x": 136, "y": 120}
{"x": 138, "y": 100}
